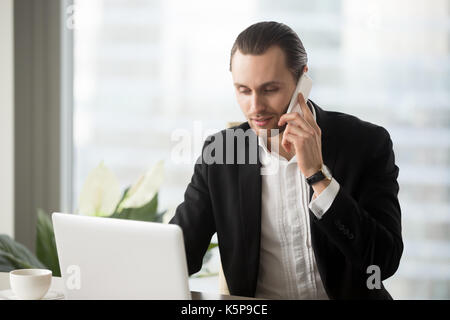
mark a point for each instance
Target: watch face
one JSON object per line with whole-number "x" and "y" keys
{"x": 326, "y": 172}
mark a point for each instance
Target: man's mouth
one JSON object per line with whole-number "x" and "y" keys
{"x": 261, "y": 122}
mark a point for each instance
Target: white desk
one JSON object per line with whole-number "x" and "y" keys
{"x": 57, "y": 285}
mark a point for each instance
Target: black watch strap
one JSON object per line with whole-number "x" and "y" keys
{"x": 316, "y": 177}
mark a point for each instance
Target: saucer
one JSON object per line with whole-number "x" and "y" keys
{"x": 51, "y": 295}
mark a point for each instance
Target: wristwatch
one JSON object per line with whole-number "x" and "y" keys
{"x": 323, "y": 173}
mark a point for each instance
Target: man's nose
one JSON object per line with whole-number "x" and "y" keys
{"x": 257, "y": 104}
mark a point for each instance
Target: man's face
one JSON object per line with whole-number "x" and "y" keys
{"x": 264, "y": 87}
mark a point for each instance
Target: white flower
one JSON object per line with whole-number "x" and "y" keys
{"x": 100, "y": 193}
{"x": 145, "y": 188}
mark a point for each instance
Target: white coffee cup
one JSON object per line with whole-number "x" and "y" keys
{"x": 30, "y": 284}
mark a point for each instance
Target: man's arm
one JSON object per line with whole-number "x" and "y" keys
{"x": 195, "y": 217}
{"x": 367, "y": 230}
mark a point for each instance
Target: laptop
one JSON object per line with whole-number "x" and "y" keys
{"x": 107, "y": 258}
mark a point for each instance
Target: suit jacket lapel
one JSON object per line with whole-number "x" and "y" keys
{"x": 249, "y": 180}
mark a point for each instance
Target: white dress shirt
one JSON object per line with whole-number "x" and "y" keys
{"x": 287, "y": 266}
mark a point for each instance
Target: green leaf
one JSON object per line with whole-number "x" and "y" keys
{"x": 205, "y": 273}
{"x": 46, "y": 244}
{"x": 212, "y": 245}
{"x": 14, "y": 255}
{"x": 147, "y": 212}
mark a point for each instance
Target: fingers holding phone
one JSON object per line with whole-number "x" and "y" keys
{"x": 302, "y": 136}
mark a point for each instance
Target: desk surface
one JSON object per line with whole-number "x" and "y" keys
{"x": 57, "y": 285}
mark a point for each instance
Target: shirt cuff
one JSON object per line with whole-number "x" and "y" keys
{"x": 323, "y": 201}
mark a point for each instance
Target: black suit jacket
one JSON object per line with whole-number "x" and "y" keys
{"x": 361, "y": 228}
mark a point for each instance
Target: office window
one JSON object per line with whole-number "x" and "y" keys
{"x": 143, "y": 69}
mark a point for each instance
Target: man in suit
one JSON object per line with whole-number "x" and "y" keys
{"x": 327, "y": 221}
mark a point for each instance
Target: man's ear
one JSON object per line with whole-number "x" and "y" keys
{"x": 305, "y": 69}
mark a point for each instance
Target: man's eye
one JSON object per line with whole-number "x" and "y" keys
{"x": 245, "y": 91}
{"x": 271, "y": 90}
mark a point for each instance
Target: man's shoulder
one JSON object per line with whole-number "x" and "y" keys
{"x": 347, "y": 126}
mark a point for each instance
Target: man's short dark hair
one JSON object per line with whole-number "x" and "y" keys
{"x": 259, "y": 37}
